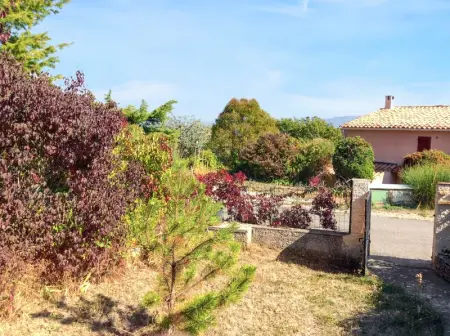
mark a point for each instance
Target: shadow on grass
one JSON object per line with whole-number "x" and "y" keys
{"x": 396, "y": 312}
{"x": 102, "y": 315}
{"x": 317, "y": 263}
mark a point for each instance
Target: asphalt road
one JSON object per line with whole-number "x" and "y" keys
{"x": 402, "y": 239}
{"x": 401, "y": 249}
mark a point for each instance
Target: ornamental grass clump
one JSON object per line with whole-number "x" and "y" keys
{"x": 423, "y": 180}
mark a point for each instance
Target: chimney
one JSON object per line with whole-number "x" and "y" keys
{"x": 388, "y": 103}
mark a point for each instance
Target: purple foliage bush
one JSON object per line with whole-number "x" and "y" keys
{"x": 58, "y": 201}
{"x": 295, "y": 217}
{"x": 323, "y": 205}
{"x": 262, "y": 209}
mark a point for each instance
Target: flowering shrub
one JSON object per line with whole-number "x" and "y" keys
{"x": 314, "y": 181}
{"x": 59, "y": 203}
{"x": 296, "y": 217}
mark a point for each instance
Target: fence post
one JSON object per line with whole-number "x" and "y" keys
{"x": 441, "y": 233}
{"x": 355, "y": 240}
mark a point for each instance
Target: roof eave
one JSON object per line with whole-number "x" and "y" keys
{"x": 394, "y": 129}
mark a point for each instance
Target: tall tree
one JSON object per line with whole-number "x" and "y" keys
{"x": 241, "y": 122}
{"x": 309, "y": 128}
{"x": 193, "y": 135}
{"x": 17, "y": 18}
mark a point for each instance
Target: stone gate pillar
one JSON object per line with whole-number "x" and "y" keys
{"x": 355, "y": 240}
{"x": 441, "y": 234}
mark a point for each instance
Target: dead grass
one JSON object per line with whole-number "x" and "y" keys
{"x": 285, "y": 299}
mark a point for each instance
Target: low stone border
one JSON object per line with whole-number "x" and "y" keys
{"x": 317, "y": 246}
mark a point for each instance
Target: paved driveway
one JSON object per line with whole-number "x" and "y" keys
{"x": 396, "y": 243}
{"x": 403, "y": 240}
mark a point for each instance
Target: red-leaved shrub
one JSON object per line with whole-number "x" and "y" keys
{"x": 265, "y": 209}
{"x": 323, "y": 205}
{"x": 58, "y": 201}
{"x": 229, "y": 189}
{"x": 295, "y": 217}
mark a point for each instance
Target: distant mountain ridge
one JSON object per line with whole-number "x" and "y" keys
{"x": 338, "y": 121}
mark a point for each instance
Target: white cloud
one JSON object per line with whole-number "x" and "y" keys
{"x": 134, "y": 91}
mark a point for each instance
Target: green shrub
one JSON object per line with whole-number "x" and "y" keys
{"x": 353, "y": 158}
{"x": 423, "y": 180}
{"x": 313, "y": 156}
{"x": 241, "y": 123}
{"x": 430, "y": 156}
{"x": 206, "y": 161}
{"x": 309, "y": 128}
{"x": 268, "y": 158}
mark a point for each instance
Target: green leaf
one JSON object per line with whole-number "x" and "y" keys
{"x": 151, "y": 299}
{"x": 198, "y": 313}
{"x": 238, "y": 285}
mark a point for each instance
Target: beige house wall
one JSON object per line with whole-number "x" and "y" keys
{"x": 393, "y": 146}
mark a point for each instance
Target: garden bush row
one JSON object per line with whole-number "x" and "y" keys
{"x": 264, "y": 209}
{"x": 246, "y": 138}
{"x": 59, "y": 202}
{"x": 80, "y": 181}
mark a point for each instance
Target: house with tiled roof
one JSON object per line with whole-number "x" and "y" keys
{"x": 396, "y": 131}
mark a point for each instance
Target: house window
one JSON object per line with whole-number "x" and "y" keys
{"x": 423, "y": 144}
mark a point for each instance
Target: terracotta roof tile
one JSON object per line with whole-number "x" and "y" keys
{"x": 405, "y": 117}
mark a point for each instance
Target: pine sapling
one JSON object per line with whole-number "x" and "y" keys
{"x": 187, "y": 255}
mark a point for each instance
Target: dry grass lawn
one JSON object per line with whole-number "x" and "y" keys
{"x": 284, "y": 299}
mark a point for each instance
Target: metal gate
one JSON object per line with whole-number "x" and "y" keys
{"x": 366, "y": 245}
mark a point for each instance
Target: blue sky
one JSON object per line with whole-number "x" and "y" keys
{"x": 297, "y": 58}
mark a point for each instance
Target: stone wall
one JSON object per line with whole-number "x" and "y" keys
{"x": 318, "y": 246}
{"x": 243, "y": 234}
{"x": 442, "y": 265}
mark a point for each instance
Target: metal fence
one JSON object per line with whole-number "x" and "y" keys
{"x": 304, "y": 195}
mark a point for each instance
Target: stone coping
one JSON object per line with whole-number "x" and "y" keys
{"x": 246, "y": 227}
